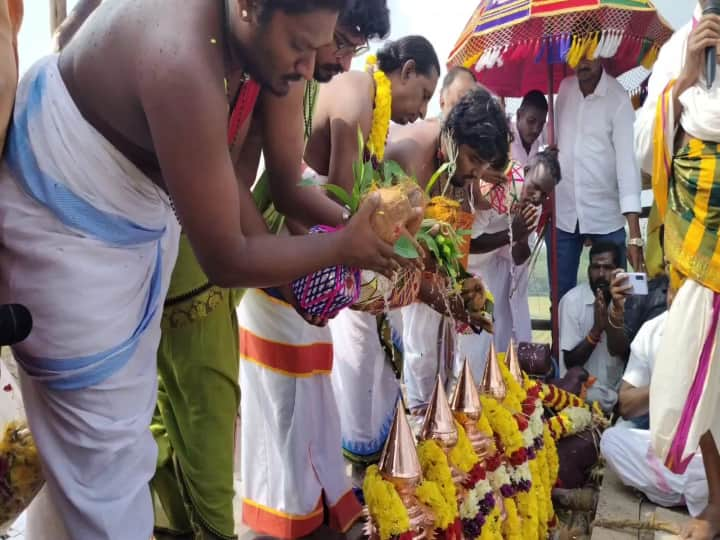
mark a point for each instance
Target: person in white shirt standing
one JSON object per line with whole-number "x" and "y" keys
{"x": 601, "y": 186}
{"x": 584, "y": 318}
{"x": 628, "y": 451}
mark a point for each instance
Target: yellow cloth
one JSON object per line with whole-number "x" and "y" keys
{"x": 687, "y": 194}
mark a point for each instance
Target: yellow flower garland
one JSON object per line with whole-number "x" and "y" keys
{"x": 382, "y": 111}
{"x": 512, "y": 528}
{"x": 436, "y": 471}
{"x": 492, "y": 530}
{"x": 503, "y": 424}
{"x": 384, "y": 505}
{"x": 512, "y": 399}
{"x": 463, "y": 456}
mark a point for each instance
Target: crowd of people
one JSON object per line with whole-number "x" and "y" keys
{"x": 137, "y": 229}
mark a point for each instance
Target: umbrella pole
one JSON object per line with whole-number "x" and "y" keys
{"x": 554, "y": 298}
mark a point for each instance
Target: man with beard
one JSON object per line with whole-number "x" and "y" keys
{"x": 510, "y": 210}
{"x": 126, "y": 120}
{"x": 284, "y": 356}
{"x": 198, "y": 397}
{"x": 600, "y": 190}
{"x": 583, "y": 324}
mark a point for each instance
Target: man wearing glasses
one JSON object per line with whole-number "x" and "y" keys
{"x": 198, "y": 396}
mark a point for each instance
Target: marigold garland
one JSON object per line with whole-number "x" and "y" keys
{"x": 436, "y": 470}
{"x": 384, "y": 505}
{"x": 430, "y": 494}
{"x": 463, "y": 457}
{"x": 513, "y": 388}
{"x": 503, "y": 424}
{"x": 493, "y": 527}
{"x": 382, "y": 111}
{"x": 558, "y": 399}
{"x": 512, "y": 527}
{"x": 570, "y": 421}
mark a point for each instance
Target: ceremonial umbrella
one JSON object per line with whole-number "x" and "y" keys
{"x": 515, "y": 46}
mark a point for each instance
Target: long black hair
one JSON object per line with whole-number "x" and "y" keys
{"x": 394, "y": 55}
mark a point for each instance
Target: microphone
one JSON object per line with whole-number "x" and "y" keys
{"x": 711, "y": 8}
{"x": 15, "y": 323}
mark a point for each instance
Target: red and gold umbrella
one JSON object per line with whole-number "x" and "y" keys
{"x": 515, "y": 46}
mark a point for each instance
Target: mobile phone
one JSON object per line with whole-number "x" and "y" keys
{"x": 639, "y": 283}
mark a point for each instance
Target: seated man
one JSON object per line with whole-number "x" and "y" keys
{"x": 628, "y": 451}
{"x": 584, "y": 320}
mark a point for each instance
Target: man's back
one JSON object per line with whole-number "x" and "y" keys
{"x": 127, "y": 46}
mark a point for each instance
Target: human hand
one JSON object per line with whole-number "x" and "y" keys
{"x": 636, "y": 258}
{"x": 600, "y": 311}
{"x": 474, "y": 297}
{"x": 705, "y": 34}
{"x": 494, "y": 176}
{"x": 524, "y": 222}
{"x": 620, "y": 289}
{"x": 362, "y": 248}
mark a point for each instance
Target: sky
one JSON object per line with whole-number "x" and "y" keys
{"x": 439, "y": 21}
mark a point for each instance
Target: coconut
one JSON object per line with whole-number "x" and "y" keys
{"x": 396, "y": 210}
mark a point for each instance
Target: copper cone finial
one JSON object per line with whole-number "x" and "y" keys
{"x": 465, "y": 400}
{"x": 439, "y": 423}
{"x": 492, "y": 383}
{"x": 513, "y": 362}
{"x": 399, "y": 459}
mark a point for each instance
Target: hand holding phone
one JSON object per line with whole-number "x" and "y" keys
{"x": 638, "y": 282}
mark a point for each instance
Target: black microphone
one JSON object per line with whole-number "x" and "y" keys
{"x": 711, "y": 8}
{"x": 15, "y": 323}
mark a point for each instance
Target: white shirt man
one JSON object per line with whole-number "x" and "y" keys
{"x": 601, "y": 178}
{"x": 583, "y": 324}
{"x": 628, "y": 451}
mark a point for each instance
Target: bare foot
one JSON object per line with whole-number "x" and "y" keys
{"x": 704, "y": 527}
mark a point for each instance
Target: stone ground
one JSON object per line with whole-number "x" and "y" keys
{"x": 620, "y": 503}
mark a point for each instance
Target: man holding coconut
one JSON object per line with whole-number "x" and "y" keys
{"x": 285, "y": 357}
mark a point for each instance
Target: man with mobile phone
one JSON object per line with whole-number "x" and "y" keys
{"x": 586, "y": 314}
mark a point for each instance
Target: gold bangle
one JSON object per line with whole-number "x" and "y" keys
{"x": 591, "y": 340}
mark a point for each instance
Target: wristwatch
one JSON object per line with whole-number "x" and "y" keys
{"x": 636, "y": 242}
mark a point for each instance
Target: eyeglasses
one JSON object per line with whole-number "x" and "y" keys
{"x": 346, "y": 48}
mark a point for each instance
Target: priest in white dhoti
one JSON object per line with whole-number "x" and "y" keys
{"x": 627, "y": 449}
{"x": 677, "y": 134}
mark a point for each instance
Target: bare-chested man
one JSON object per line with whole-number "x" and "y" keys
{"x": 198, "y": 353}
{"x": 282, "y": 355}
{"x": 480, "y": 132}
{"x": 128, "y": 118}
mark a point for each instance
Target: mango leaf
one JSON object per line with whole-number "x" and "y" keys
{"x": 430, "y": 243}
{"x": 405, "y": 248}
{"x": 361, "y": 144}
{"x": 435, "y": 176}
{"x": 339, "y": 193}
{"x": 392, "y": 170}
{"x": 367, "y": 178}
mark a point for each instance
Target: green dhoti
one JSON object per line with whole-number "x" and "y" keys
{"x": 198, "y": 398}
{"x": 198, "y": 391}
